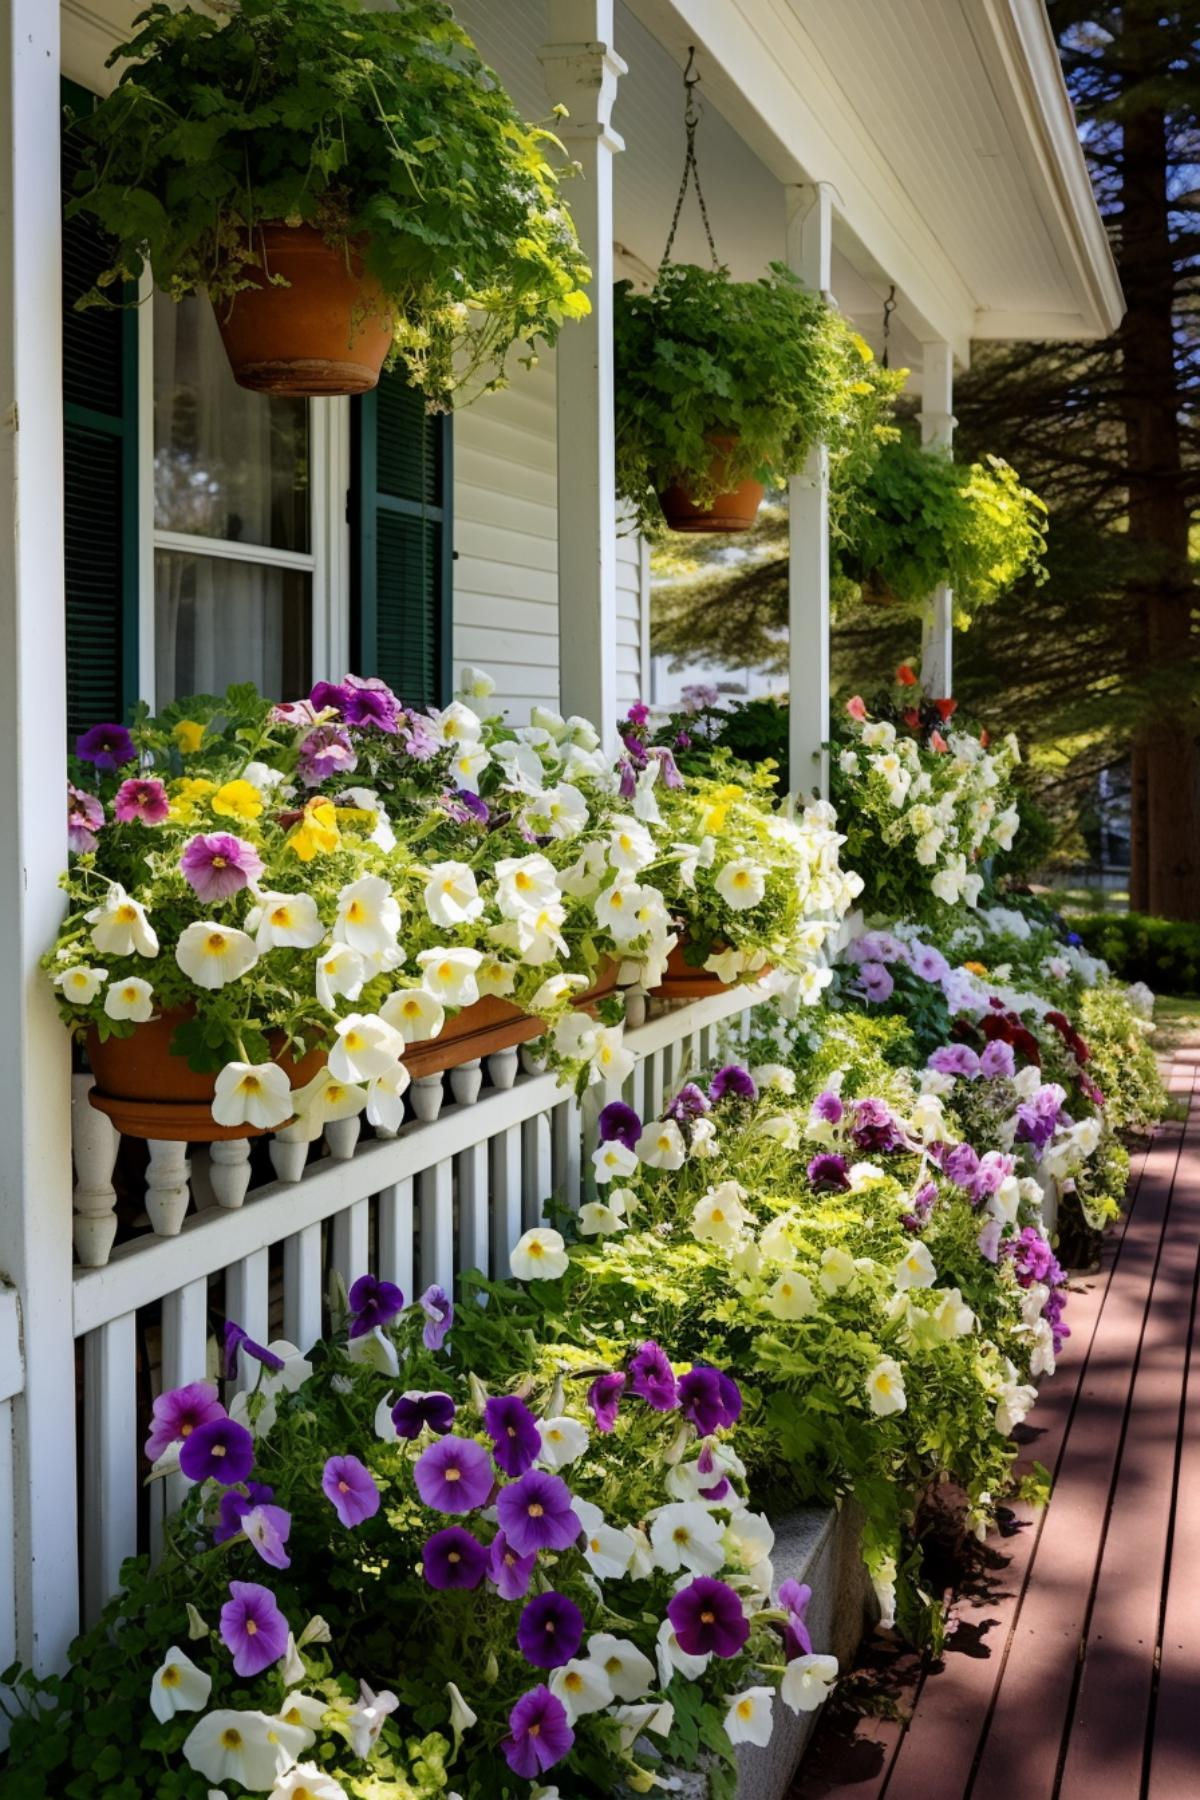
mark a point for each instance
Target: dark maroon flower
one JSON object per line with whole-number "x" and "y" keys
{"x": 734, "y": 1080}
{"x": 827, "y": 1173}
{"x": 413, "y": 1411}
{"x": 454, "y": 1558}
{"x": 550, "y": 1630}
{"x": 513, "y": 1430}
{"x": 707, "y": 1616}
{"x": 220, "y": 1451}
{"x": 604, "y": 1397}
{"x": 619, "y": 1123}
{"x": 107, "y": 746}
{"x": 652, "y": 1378}
{"x": 373, "y": 1302}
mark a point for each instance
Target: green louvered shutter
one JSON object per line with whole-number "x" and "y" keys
{"x": 99, "y": 468}
{"x": 404, "y": 543}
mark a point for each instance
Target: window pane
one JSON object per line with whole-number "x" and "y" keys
{"x": 217, "y": 621}
{"x": 227, "y": 463}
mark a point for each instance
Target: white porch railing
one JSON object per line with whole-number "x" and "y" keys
{"x": 447, "y": 1194}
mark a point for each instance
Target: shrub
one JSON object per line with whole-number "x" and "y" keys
{"x": 1164, "y": 953}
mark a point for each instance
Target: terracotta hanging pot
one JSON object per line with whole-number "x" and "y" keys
{"x": 733, "y": 510}
{"x": 149, "y": 1093}
{"x": 491, "y": 1024}
{"x": 325, "y": 332}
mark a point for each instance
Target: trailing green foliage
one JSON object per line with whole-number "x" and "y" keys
{"x": 1122, "y": 1061}
{"x": 1164, "y": 953}
{"x": 384, "y": 130}
{"x": 765, "y": 363}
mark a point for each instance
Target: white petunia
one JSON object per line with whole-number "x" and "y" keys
{"x": 617, "y": 909}
{"x": 631, "y": 846}
{"x": 323, "y": 1100}
{"x": 367, "y": 1047}
{"x": 449, "y": 975}
{"x": 807, "y": 1682}
{"x": 257, "y": 1094}
{"x": 374, "y": 1350}
{"x": 178, "y": 1686}
{"x": 495, "y": 976}
{"x": 629, "y": 1672}
{"x": 535, "y": 936}
{"x": 661, "y": 1145}
{"x": 838, "y": 1270}
{"x": 131, "y": 999}
{"x": 540, "y": 1255}
{"x": 555, "y": 991}
{"x": 792, "y": 1297}
{"x": 916, "y": 1268}
{"x": 415, "y": 1014}
{"x": 719, "y": 1217}
{"x": 467, "y": 765}
{"x": 307, "y": 1782}
{"x": 685, "y": 1535}
{"x": 80, "y": 984}
{"x": 120, "y": 926}
{"x": 609, "y": 1553}
{"x": 610, "y": 1058}
{"x": 452, "y": 894}
{"x": 475, "y": 684}
{"x": 563, "y": 1439}
{"x": 294, "y": 1373}
{"x": 952, "y": 1317}
{"x": 613, "y": 1160}
{"x": 368, "y": 915}
{"x": 385, "y": 1098}
{"x": 457, "y": 724}
{"x": 341, "y": 973}
{"x": 561, "y": 811}
{"x": 674, "y": 1660}
{"x": 299, "y": 1708}
{"x": 633, "y": 1722}
{"x": 774, "y": 1075}
{"x": 212, "y": 955}
{"x": 525, "y": 884}
{"x": 595, "y": 1219}
{"x": 285, "y": 922}
{"x": 1014, "y": 1402}
{"x": 248, "y": 1747}
{"x": 885, "y": 1388}
{"x": 366, "y": 1719}
{"x": 582, "y": 1686}
{"x": 748, "y": 1716}
{"x": 741, "y": 883}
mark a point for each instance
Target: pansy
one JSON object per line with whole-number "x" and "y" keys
{"x": 415, "y": 1412}
{"x": 707, "y": 1616}
{"x": 514, "y": 1433}
{"x": 253, "y": 1628}
{"x": 539, "y": 1734}
{"x": 212, "y": 955}
{"x": 535, "y": 1512}
{"x": 178, "y": 1686}
{"x": 350, "y": 1489}
{"x": 454, "y": 1558}
{"x": 550, "y": 1630}
{"x": 454, "y": 1475}
{"x": 217, "y": 1450}
{"x": 539, "y": 1255}
{"x": 247, "y": 1747}
{"x": 373, "y": 1302}
{"x": 120, "y": 926}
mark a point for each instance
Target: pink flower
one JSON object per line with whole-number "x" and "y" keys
{"x": 937, "y": 742}
{"x": 85, "y": 817}
{"x": 146, "y": 801}
{"x": 857, "y": 708}
{"x": 219, "y": 865}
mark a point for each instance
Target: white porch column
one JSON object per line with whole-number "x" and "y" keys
{"x": 937, "y": 433}
{"x": 582, "y": 71}
{"x": 35, "y": 1095}
{"x": 809, "y": 254}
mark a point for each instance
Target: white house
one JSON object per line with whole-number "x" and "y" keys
{"x": 162, "y": 531}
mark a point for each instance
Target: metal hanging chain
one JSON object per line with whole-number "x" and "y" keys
{"x": 889, "y": 307}
{"x": 691, "y": 171}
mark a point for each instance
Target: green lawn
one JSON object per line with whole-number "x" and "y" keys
{"x": 1088, "y": 899}
{"x": 1175, "y": 1021}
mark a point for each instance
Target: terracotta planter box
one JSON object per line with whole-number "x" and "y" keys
{"x": 733, "y": 510}
{"x": 688, "y": 981}
{"x": 492, "y": 1024}
{"x": 149, "y": 1093}
{"x": 325, "y": 333}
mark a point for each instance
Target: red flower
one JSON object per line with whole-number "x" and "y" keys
{"x": 905, "y": 676}
{"x": 947, "y": 708}
{"x": 857, "y": 708}
{"x": 937, "y": 742}
{"x": 912, "y": 718}
{"x": 985, "y": 738}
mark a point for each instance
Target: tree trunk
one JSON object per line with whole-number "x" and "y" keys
{"x": 1166, "y": 768}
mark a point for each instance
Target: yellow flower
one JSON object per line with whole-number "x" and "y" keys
{"x": 187, "y": 794}
{"x": 237, "y": 800}
{"x": 976, "y": 968}
{"x": 715, "y": 809}
{"x": 188, "y": 735}
{"x": 317, "y": 832}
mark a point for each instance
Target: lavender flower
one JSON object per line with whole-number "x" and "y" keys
{"x": 827, "y": 1173}
{"x": 828, "y": 1108}
{"x": 221, "y": 1450}
{"x": 707, "y": 1616}
{"x": 438, "y": 1308}
{"x": 671, "y": 778}
{"x": 420, "y": 739}
{"x": 928, "y": 963}
{"x": 466, "y": 808}
{"x": 689, "y": 1103}
{"x": 961, "y": 1165}
{"x": 550, "y": 1630}
{"x": 513, "y": 1430}
{"x": 413, "y": 1411}
{"x": 875, "y": 982}
{"x": 998, "y": 1061}
{"x": 236, "y": 1339}
{"x": 733, "y": 1079}
{"x": 955, "y": 1059}
{"x": 619, "y": 1123}
{"x": 453, "y": 1558}
{"x": 454, "y": 1475}
{"x": 348, "y": 1486}
{"x": 143, "y": 801}
{"x": 604, "y": 1397}
{"x": 535, "y": 1513}
{"x": 373, "y": 1302}
{"x": 510, "y": 1573}
{"x": 233, "y": 1507}
{"x": 539, "y": 1734}
{"x": 326, "y": 751}
{"x": 267, "y": 1528}
{"x": 85, "y": 817}
{"x": 253, "y": 1628}
{"x": 218, "y": 865}
{"x": 367, "y": 701}
{"x": 177, "y": 1414}
{"x": 652, "y": 1378}
{"x": 794, "y": 1597}
{"x": 1038, "y": 1116}
{"x": 107, "y": 746}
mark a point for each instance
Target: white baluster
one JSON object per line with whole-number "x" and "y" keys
{"x": 635, "y": 1006}
{"x": 94, "y": 1144}
{"x": 167, "y": 1191}
{"x": 502, "y": 1067}
{"x": 289, "y": 1153}
{"x": 466, "y": 1081}
{"x": 427, "y": 1094}
{"x": 341, "y": 1135}
{"x": 229, "y": 1171}
{"x": 532, "y": 1065}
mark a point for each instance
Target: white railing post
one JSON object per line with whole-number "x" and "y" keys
{"x": 809, "y": 255}
{"x": 35, "y": 1096}
{"x": 937, "y": 433}
{"x": 581, "y": 72}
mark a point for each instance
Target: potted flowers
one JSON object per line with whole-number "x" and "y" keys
{"x": 347, "y": 186}
{"x": 725, "y": 385}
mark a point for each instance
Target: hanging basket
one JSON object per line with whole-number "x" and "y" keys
{"x": 325, "y": 332}
{"x": 491, "y": 1024}
{"x": 732, "y": 510}
{"x": 148, "y": 1092}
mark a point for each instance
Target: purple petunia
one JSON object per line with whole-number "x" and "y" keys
{"x": 236, "y": 1339}
{"x": 453, "y": 1558}
{"x": 267, "y": 1528}
{"x": 350, "y": 1489}
{"x": 1038, "y": 1116}
{"x": 85, "y": 817}
{"x": 875, "y": 983}
{"x": 874, "y": 1128}
{"x": 221, "y": 1450}
{"x": 955, "y": 1059}
{"x": 828, "y": 1108}
{"x": 689, "y": 1103}
{"x": 709, "y": 1399}
{"x": 998, "y": 1061}
{"x": 217, "y": 865}
{"x": 253, "y": 1628}
{"x": 514, "y": 1433}
{"x": 928, "y": 963}
{"x": 604, "y": 1397}
{"x": 325, "y": 752}
{"x": 413, "y": 1411}
{"x": 420, "y": 739}
{"x": 367, "y": 701}
{"x": 539, "y": 1736}
{"x": 828, "y": 1174}
{"x": 619, "y": 1123}
{"x": 466, "y": 808}
{"x": 373, "y": 1302}
{"x": 510, "y": 1573}
{"x": 707, "y": 1616}
{"x": 732, "y": 1081}
{"x": 550, "y": 1630}
{"x": 438, "y": 1308}
{"x": 794, "y": 1597}
{"x": 535, "y": 1513}
{"x": 327, "y": 694}
{"x": 961, "y": 1164}
{"x": 143, "y": 801}
{"x": 107, "y": 746}
{"x": 706, "y": 1464}
{"x": 652, "y": 1378}
{"x": 177, "y": 1414}
{"x": 233, "y": 1507}
{"x": 454, "y": 1475}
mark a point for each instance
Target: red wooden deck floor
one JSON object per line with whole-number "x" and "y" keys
{"x": 1073, "y": 1669}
